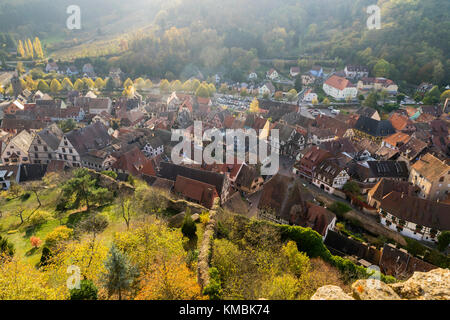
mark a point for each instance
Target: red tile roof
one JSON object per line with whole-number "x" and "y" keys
{"x": 339, "y": 82}
{"x": 203, "y": 193}
{"x": 135, "y": 163}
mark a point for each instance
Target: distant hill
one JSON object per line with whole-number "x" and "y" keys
{"x": 414, "y": 39}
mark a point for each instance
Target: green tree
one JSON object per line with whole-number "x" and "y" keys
{"x": 6, "y": 247}
{"x": 67, "y": 125}
{"x": 298, "y": 83}
{"x": 433, "y": 96}
{"x": 382, "y": 69}
{"x": 445, "y": 95}
{"x": 120, "y": 273}
{"x": 292, "y": 94}
{"x": 87, "y": 291}
{"x": 109, "y": 87}
{"x": 189, "y": 228}
{"x": 82, "y": 188}
{"x": 443, "y": 240}
{"x": 371, "y": 100}
{"x": 352, "y": 187}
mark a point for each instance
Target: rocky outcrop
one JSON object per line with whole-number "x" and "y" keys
{"x": 331, "y": 293}
{"x": 432, "y": 285}
{"x": 373, "y": 289}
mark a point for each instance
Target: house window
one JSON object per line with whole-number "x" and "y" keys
{"x": 45, "y": 149}
{"x": 64, "y": 150}
{"x": 36, "y": 148}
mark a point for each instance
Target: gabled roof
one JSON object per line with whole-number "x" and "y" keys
{"x": 412, "y": 148}
{"x": 339, "y": 83}
{"x": 22, "y": 124}
{"x": 399, "y": 122}
{"x": 196, "y": 190}
{"x": 373, "y": 127}
{"x": 386, "y": 186}
{"x": 135, "y": 163}
{"x": 52, "y": 136}
{"x": 393, "y": 169}
{"x": 171, "y": 171}
{"x": 422, "y": 212}
{"x": 431, "y": 167}
{"x": 247, "y": 175}
{"x": 94, "y": 136}
{"x": 366, "y": 111}
{"x": 397, "y": 139}
{"x": 23, "y": 140}
{"x": 340, "y": 145}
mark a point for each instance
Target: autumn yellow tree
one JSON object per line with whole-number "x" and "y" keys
{"x": 99, "y": 83}
{"x": 21, "y": 281}
{"x": 20, "y": 49}
{"x": 254, "y": 106}
{"x": 128, "y": 83}
{"x": 55, "y": 86}
{"x": 31, "y": 49}
{"x": 148, "y": 84}
{"x": 38, "y": 48}
{"x": 139, "y": 83}
{"x": 79, "y": 85}
{"x": 86, "y": 254}
{"x": 164, "y": 86}
{"x": 89, "y": 83}
{"x": 67, "y": 84}
{"x": 176, "y": 85}
{"x": 169, "y": 280}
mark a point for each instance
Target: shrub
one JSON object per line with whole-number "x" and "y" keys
{"x": 214, "y": 287}
{"x": 59, "y": 234}
{"x": 443, "y": 240}
{"x": 39, "y": 217}
{"x": 6, "y": 247}
{"x": 87, "y": 291}
{"x": 189, "y": 227}
{"x": 35, "y": 242}
{"x": 24, "y": 197}
{"x": 45, "y": 257}
{"x": 339, "y": 208}
{"x": 111, "y": 174}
